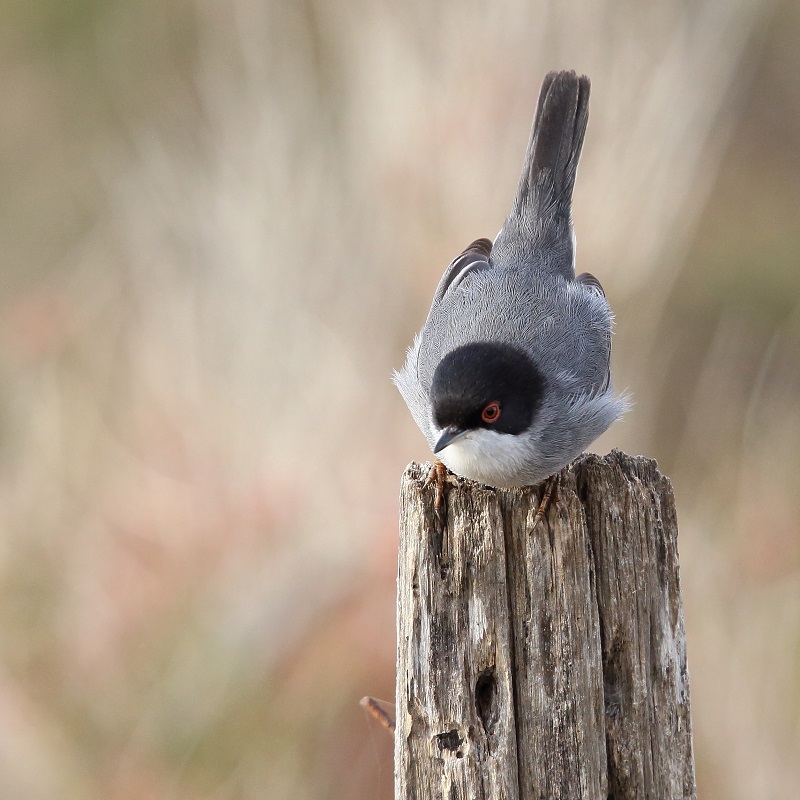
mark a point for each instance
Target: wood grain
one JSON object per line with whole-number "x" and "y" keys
{"x": 543, "y": 661}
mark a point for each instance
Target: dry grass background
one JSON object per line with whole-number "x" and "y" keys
{"x": 221, "y": 225}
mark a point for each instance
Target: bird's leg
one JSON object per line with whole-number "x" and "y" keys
{"x": 549, "y": 494}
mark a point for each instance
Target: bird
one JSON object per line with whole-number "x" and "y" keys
{"x": 509, "y": 379}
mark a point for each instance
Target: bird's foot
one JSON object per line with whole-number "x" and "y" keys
{"x": 440, "y": 478}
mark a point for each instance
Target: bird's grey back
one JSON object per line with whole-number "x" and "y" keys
{"x": 563, "y": 325}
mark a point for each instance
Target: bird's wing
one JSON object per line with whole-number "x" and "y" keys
{"x": 473, "y": 259}
{"x": 587, "y": 279}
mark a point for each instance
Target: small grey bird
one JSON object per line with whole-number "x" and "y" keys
{"x": 509, "y": 379}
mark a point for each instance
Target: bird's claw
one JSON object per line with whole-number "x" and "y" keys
{"x": 440, "y": 478}
{"x": 549, "y": 494}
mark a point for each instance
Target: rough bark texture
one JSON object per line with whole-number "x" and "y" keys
{"x": 548, "y": 661}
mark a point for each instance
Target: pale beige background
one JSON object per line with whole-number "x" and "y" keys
{"x": 221, "y": 225}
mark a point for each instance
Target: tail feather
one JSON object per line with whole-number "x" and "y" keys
{"x": 540, "y": 223}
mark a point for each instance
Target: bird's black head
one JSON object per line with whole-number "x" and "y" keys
{"x": 485, "y": 385}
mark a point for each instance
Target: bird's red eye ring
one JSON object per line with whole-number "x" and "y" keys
{"x": 491, "y": 413}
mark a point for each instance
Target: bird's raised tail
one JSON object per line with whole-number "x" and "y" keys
{"x": 540, "y": 222}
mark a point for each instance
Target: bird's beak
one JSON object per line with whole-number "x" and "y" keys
{"x": 449, "y": 435}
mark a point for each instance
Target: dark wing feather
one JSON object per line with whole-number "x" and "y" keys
{"x": 587, "y": 279}
{"x": 475, "y": 257}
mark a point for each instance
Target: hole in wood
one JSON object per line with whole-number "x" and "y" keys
{"x": 485, "y": 696}
{"x": 449, "y": 741}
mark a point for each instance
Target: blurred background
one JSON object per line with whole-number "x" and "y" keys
{"x": 221, "y": 225}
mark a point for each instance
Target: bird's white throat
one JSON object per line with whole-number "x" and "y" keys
{"x": 496, "y": 459}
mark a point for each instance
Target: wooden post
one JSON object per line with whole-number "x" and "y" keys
{"x": 546, "y": 662}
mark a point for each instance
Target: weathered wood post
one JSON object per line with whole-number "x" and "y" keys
{"x": 546, "y": 662}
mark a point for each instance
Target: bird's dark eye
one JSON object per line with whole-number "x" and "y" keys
{"x": 491, "y": 413}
